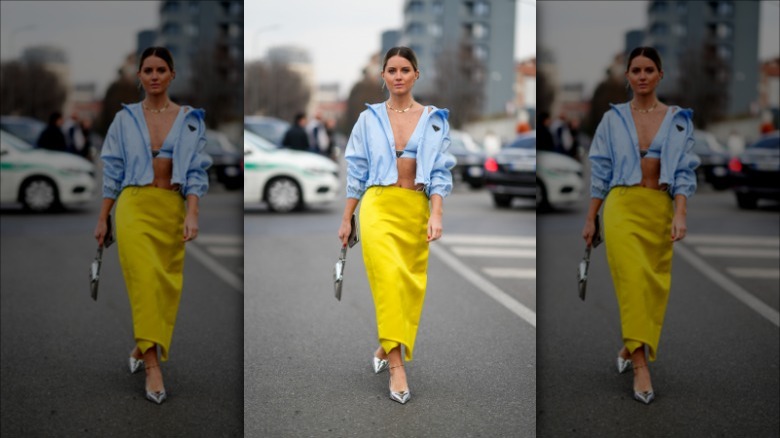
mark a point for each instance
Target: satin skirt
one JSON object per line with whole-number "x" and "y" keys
{"x": 393, "y": 231}
{"x": 637, "y": 234}
{"x": 149, "y": 233}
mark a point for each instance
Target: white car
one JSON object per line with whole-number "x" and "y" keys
{"x": 559, "y": 180}
{"x": 43, "y": 180}
{"x": 286, "y": 179}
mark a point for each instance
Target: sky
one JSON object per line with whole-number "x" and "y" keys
{"x": 585, "y": 36}
{"x": 97, "y": 36}
{"x": 341, "y": 35}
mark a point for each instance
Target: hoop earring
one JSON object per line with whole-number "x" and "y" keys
{"x": 627, "y": 86}
{"x": 383, "y": 85}
{"x": 139, "y": 85}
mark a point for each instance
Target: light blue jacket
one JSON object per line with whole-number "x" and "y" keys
{"x": 614, "y": 152}
{"x": 127, "y": 153}
{"x": 371, "y": 159}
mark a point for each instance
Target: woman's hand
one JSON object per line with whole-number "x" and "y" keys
{"x": 344, "y": 229}
{"x": 679, "y": 228}
{"x": 434, "y": 227}
{"x": 588, "y": 231}
{"x": 190, "y": 226}
{"x": 100, "y": 231}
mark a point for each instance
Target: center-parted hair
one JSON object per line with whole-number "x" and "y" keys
{"x": 647, "y": 52}
{"x": 403, "y": 52}
{"x": 160, "y": 52}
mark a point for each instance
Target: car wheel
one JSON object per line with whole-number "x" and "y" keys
{"x": 39, "y": 195}
{"x": 283, "y": 194}
{"x": 502, "y": 201}
{"x": 542, "y": 200}
{"x": 746, "y": 201}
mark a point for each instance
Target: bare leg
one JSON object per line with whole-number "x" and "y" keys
{"x": 624, "y": 353}
{"x": 642, "y": 381}
{"x": 380, "y": 353}
{"x": 154, "y": 379}
{"x": 136, "y": 353}
{"x": 397, "y": 371}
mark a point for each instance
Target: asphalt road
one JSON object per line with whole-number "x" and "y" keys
{"x": 716, "y": 373}
{"x": 64, "y": 356}
{"x": 307, "y": 356}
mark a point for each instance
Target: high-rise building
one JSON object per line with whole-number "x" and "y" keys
{"x": 483, "y": 28}
{"x": 722, "y": 34}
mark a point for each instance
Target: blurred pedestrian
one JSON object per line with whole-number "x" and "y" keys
{"x": 492, "y": 142}
{"x": 153, "y": 160}
{"x": 562, "y": 137}
{"x": 74, "y": 137}
{"x": 296, "y": 137}
{"x": 332, "y": 150}
{"x": 399, "y": 168}
{"x": 643, "y": 170}
{"x": 86, "y": 131}
{"x": 544, "y": 139}
{"x": 735, "y": 143}
{"x": 318, "y": 136}
{"x": 52, "y": 137}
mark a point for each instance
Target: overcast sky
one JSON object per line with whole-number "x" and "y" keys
{"x": 585, "y": 36}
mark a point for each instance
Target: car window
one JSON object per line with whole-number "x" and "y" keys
{"x": 272, "y": 131}
{"x": 213, "y": 146}
{"x": 457, "y": 145}
{"x": 767, "y": 143}
{"x": 15, "y": 142}
{"x": 259, "y": 142}
{"x": 27, "y": 131}
{"x": 523, "y": 143}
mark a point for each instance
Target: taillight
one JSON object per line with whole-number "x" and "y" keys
{"x": 491, "y": 165}
{"x": 735, "y": 165}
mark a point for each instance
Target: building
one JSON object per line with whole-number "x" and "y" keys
{"x": 390, "y": 39}
{"x": 483, "y": 28}
{"x": 722, "y": 34}
{"x": 52, "y": 58}
{"x": 525, "y": 90}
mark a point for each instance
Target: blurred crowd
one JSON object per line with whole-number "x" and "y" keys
{"x": 73, "y": 135}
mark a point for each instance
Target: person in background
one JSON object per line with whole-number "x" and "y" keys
{"x": 52, "y": 137}
{"x": 318, "y": 135}
{"x": 544, "y": 139}
{"x": 296, "y": 137}
{"x": 492, "y": 142}
{"x": 74, "y": 137}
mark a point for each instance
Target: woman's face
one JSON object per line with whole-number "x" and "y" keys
{"x": 399, "y": 75}
{"x": 155, "y": 75}
{"x": 643, "y": 75}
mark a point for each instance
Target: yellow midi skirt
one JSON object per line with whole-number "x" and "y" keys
{"x": 393, "y": 231}
{"x": 637, "y": 233}
{"x": 149, "y": 233}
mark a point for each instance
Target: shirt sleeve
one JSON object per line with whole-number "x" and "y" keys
{"x": 441, "y": 176}
{"x": 113, "y": 160}
{"x": 685, "y": 172}
{"x": 357, "y": 161}
{"x": 197, "y": 177}
{"x": 600, "y": 160}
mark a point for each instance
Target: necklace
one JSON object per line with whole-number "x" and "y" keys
{"x": 652, "y": 107}
{"x": 400, "y": 111}
{"x": 157, "y": 111}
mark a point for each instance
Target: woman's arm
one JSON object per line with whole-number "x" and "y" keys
{"x": 191, "y": 219}
{"x": 346, "y": 226}
{"x": 435, "y": 220}
{"x": 679, "y": 227}
{"x": 590, "y": 221}
{"x": 102, "y": 228}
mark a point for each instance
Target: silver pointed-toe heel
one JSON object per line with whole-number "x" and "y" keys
{"x": 623, "y": 364}
{"x": 401, "y": 396}
{"x": 379, "y": 365}
{"x": 135, "y": 364}
{"x": 156, "y": 396}
{"x": 645, "y": 396}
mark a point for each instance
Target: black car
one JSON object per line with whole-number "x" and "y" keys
{"x": 227, "y": 166}
{"x": 512, "y": 171}
{"x": 755, "y": 173}
{"x": 469, "y": 166}
{"x": 714, "y": 160}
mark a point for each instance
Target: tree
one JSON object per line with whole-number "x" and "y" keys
{"x": 274, "y": 89}
{"x": 459, "y": 84}
{"x": 367, "y": 90}
{"x": 610, "y": 90}
{"x": 30, "y": 89}
{"x": 122, "y": 90}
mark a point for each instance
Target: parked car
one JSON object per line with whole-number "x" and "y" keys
{"x": 286, "y": 179}
{"x": 226, "y": 167}
{"x": 270, "y": 128}
{"x": 26, "y": 129}
{"x": 469, "y": 167}
{"x": 714, "y": 160}
{"x": 755, "y": 173}
{"x": 43, "y": 180}
{"x": 511, "y": 172}
{"x": 559, "y": 180}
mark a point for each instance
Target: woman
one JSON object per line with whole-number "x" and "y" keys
{"x": 641, "y": 162}
{"x": 153, "y": 159}
{"x": 398, "y": 165}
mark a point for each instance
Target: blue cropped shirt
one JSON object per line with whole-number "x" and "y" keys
{"x": 127, "y": 152}
{"x": 614, "y": 152}
{"x": 371, "y": 158}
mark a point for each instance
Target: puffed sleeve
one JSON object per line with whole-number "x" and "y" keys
{"x": 600, "y": 158}
{"x": 113, "y": 159}
{"x": 197, "y": 177}
{"x": 357, "y": 160}
{"x": 441, "y": 176}
{"x": 685, "y": 172}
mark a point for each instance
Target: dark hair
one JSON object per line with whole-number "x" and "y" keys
{"x": 647, "y": 52}
{"x": 54, "y": 116}
{"x": 298, "y": 117}
{"x": 403, "y": 52}
{"x": 160, "y": 52}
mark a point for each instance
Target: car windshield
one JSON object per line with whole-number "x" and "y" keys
{"x": 259, "y": 142}
{"x": 28, "y": 131}
{"x": 270, "y": 129}
{"x": 15, "y": 142}
{"x": 523, "y": 143}
{"x": 457, "y": 146}
{"x": 767, "y": 143}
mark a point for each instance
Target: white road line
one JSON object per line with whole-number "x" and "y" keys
{"x": 484, "y": 285}
{"x": 494, "y": 252}
{"x": 716, "y": 239}
{"x": 728, "y": 285}
{"x": 232, "y": 251}
{"x": 213, "y": 265}
{"x": 221, "y": 239}
{"x": 770, "y": 273}
{"x": 510, "y": 273}
{"x": 725, "y": 251}
{"x": 474, "y": 239}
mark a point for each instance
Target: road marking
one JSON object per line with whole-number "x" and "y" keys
{"x": 510, "y": 273}
{"x": 494, "y": 252}
{"x": 215, "y": 267}
{"x": 715, "y": 239}
{"x": 729, "y": 286}
{"x": 221, "y": 239}
{"x": 484, "y": 285}
{"x": 473, "y": 239}
{"x": 233, "y": 251}
{"x": 771, "y": 273}
{"x": 724, "y": 251}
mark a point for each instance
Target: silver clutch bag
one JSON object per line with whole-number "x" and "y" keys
{"x": 94, "y": 267}
{"x": 582, "y": 270}
{"x": 338, "y": 269}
